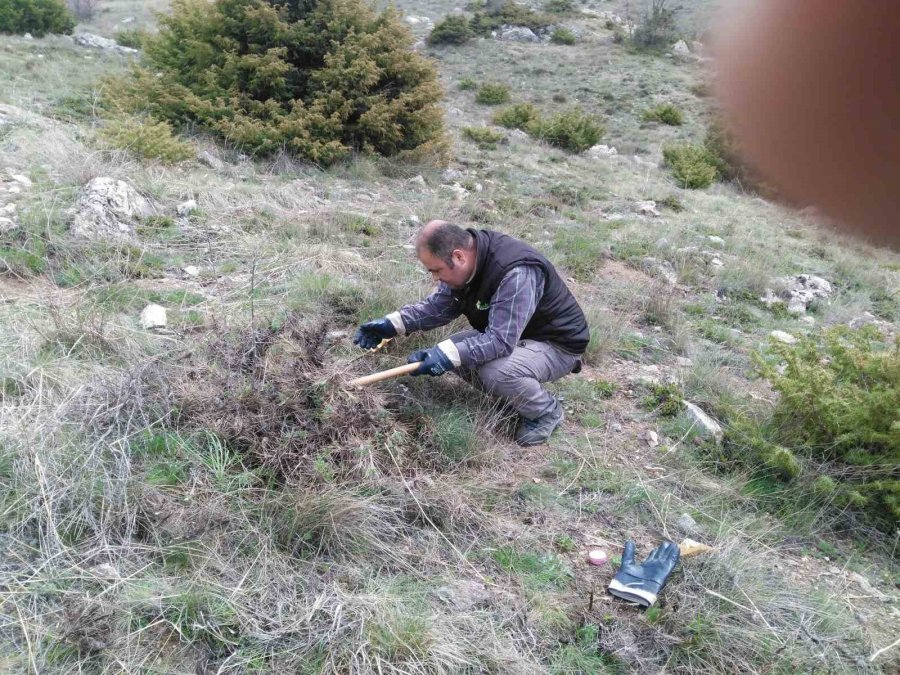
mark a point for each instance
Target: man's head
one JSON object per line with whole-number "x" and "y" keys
{"x": 447, "y": 251}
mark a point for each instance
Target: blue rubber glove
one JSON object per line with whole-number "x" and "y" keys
{"x": 371, "y": 333}
{"x": 434, "y": 362}
{"x": 642, "y": 583}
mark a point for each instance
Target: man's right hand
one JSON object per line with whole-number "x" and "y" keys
{"x": 371, "y": 333}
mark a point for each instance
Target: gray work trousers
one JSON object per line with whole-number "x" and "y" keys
{"x": 517, "y": 378}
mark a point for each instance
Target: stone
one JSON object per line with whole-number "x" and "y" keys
{"x": 652, "y": 438}
{"x": 602, "y": 151}
{"x": 781, "y": 336}
{"x": 464, "y": 595}
{"x": 451, "y": 175}
{"x": 153, "y": 316}
{"x": 517, "y": 34}
{"x": 210, "y": 160}
{"x": 770, "y": 298}
{"x": 808, "y": 320}
{"x": 184, "y": 209}
{"x": 417, "y": 180}
{"x": 6, "y": 224}
{"x": 8, "y": 209}
{"x": 97, "y": 42}
{"x": 28, "y": 36}
{"x": 717, "y": 263}
{"x": 14, "y": 189}
{"x": 796, "y": 306}
{"x": 713, "y": 239}
{"x": 24, "y": 181}
{"x": 688, "y": 525}
{"x": 459, "y": 192}
{"x": 703, "y": 424}
{"x": 647, "y": 208}
{"x": 615, "y": 427}
{"x": 680, "y": 48}
{"x": 662, "y": 244}
{"x": 479, "y": 187}
{"x": 518, "y": 133}
{"x": 684, "y": 362}
{"x": 191, "y": 270}
{"x": 105, "y": 208}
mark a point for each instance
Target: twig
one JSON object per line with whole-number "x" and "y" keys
{"x": 883, "y": 650}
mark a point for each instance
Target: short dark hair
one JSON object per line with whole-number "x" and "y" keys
{"x": 445, "y": 238}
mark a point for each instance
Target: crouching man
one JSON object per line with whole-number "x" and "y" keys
{"x": 527, "y": 328}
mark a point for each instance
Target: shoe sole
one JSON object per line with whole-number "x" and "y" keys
{"x": 556, "y": 426}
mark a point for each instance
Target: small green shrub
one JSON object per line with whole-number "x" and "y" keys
{"x": 840, "y": 403}
{"x": 664, "y": 399}
{"x": 563, "y": 36}
{"x": 467, "y": 84}
{"x": 512, "y": 14}
{"x": 492, "y": 94}
{"x": 485, "y": 138}
{"x": 37, "y": 17}
{"x": 517, "y": 116}
{"x": 146, "y": 139}
{"x": 131, "y": 37}
{"x": 451, "y": 30}
{"x": 657, "y": 28}
{"x": 559, "y": 6}
{"x": 724, "y": 152}
{"x": 672, "y": 203}
{"x": 665, "y": 113}
{"x": 692, "y": 166}
{"x": 573, "y": 130}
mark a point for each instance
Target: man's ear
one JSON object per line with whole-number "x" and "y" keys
{"x": 458, "y": 256}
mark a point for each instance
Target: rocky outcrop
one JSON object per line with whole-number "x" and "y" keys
{"x": 107, "y": 208}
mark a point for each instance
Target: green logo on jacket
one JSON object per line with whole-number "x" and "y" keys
{"x": 482, "y": 305}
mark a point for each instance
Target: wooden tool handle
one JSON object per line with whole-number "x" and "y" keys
{"x": 386, "y": 374}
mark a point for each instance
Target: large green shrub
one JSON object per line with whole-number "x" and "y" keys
{"x": 563, "y": 36}
{"x": 451, "y": 30}
{"x": 573, "y": 130}
{"x": 321, "y": 78}
{"x": 839, "y": 408}
{"x": 517, "y": 116}
{"x": 37, "y": 17}
{"x": 692, "y": 166}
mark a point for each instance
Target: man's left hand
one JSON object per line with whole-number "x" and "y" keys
{"x": 434, "y": 362}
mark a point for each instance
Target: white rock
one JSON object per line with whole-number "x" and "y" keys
{"x": 781, "y": 336}
{"x": 810, "y": 321}
{"x": 417, "y": 180}
{"x": 459, "y": 192}
{"x": 153, "y": 316}
{"x": 6, "y": 224}
{"x": 28, "y": 36}
{"x": 652, "y": 438}
{"x": 705, "y": 425}
{"x": 647, "y": 208}
{"x": 518, "y": 133}
{"x": 796, "y": 306}
{"x": 127, "y": 20}
{"x": 184, "y": 209}
{"x": 680, "y": 48}
{"x": 451, "y": 175}
{"x": 14, "y": 189}
{"x": 717, "y": 263}
{"x": 615, "y": 427}
{"x": 210, "y": 160}
{"x": 105, "y": 208}
{"x": 517, "y": 34}
{"x": 97, "y": 42}
{"x": 479, "y": 187}
{"x": 602, "y": 151}
{"x": 713, "y": 239}
{"x": 770, "y": 298}
{"x": 191, "y": 270}
{"x": 688, "y": 525}
{"x": 8, "y": 209}
{"x": 21, "y": 180}
{"x": 684, "y": 362}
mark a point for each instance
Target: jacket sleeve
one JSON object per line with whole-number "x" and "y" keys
{"x": 438, "y": 309}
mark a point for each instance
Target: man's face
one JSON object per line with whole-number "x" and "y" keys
{"x": 455, "y": 276}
